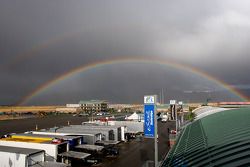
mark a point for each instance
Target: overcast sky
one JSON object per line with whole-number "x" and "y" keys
{"x": 40, "y": 40}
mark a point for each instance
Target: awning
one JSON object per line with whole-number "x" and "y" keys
{"x": 90, "y": 147}
{"x": 109, "y": 142}
{"x": 50, "y": 164}
{"x": 134, "y": 132}
{"x": 74, "y": 154}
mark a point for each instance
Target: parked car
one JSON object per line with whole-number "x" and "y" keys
{"x": 113, "y": 151}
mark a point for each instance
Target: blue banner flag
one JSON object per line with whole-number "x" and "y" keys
{"x": 149, "y": 122}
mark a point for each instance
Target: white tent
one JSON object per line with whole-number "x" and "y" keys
{"x": 133, "y": 117}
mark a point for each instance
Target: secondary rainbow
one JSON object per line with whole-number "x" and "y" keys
{"x": 92, "y": 66}
{"x": 32, "y": 52}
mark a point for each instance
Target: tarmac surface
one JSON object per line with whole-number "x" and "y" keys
{"x": 132, "y": 154}
{"x": 23, "y": 125}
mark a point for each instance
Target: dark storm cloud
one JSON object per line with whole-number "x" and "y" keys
{"x": 40, "y": 40}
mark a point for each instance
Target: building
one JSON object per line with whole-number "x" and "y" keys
{"x": 73, "y": 105}
{"x": 67, "y": 110}
{"x": 94, "y": 106}
{"x": 221, "y": 138}
{"x": 233, "y": 104}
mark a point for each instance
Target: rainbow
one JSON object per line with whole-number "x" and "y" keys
{"x": 95, "y": 65}
{"x": 36, "y": 48}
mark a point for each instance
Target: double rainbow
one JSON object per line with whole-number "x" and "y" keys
{"x": 95, "y": 65}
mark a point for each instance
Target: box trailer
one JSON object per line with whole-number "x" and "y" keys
{"x": 98, "y": 134}
{"x": 88, "y": 138}
{"x": 132, "y": 126}
{"x": 72, "y": 140}
{"x": 20, "y": 157}
{"x": 55, "y": 151}
{"x": 51, "y": 149}
{"x": 107, "y": 134}
{"x": 119, "y": 131}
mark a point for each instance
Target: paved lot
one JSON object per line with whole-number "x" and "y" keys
{"x": 22, "y": 125}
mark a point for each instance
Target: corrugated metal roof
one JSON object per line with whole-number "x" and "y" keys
{"x": 220, "y": 139}
{"x": 207, "y": 110}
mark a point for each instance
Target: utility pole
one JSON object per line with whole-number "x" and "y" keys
{"x": 162, "y": 96}
{"x": 91, "y": 114}
{"x": 156, "y": 141}
{"x": 176, "y": 119}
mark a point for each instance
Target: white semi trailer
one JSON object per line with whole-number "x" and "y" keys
{"x": 132, "y": 126}
{"x": 20, "y": 157}
{"x": 51, "y": 149}
{"x": 119, "y": 131}
{"x": 88, "y": 138}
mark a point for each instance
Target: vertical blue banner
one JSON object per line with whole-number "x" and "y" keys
{"x": 149, "y": 121}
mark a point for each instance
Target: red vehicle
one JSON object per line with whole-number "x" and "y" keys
{"x": 173, "y": 131}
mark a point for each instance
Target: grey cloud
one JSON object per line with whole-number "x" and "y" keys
{"x": 45, "y": 39}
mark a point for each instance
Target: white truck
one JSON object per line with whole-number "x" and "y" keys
{"x": 164, "y": 118}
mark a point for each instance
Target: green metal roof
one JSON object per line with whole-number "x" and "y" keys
{"x": 220, "y": 139}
